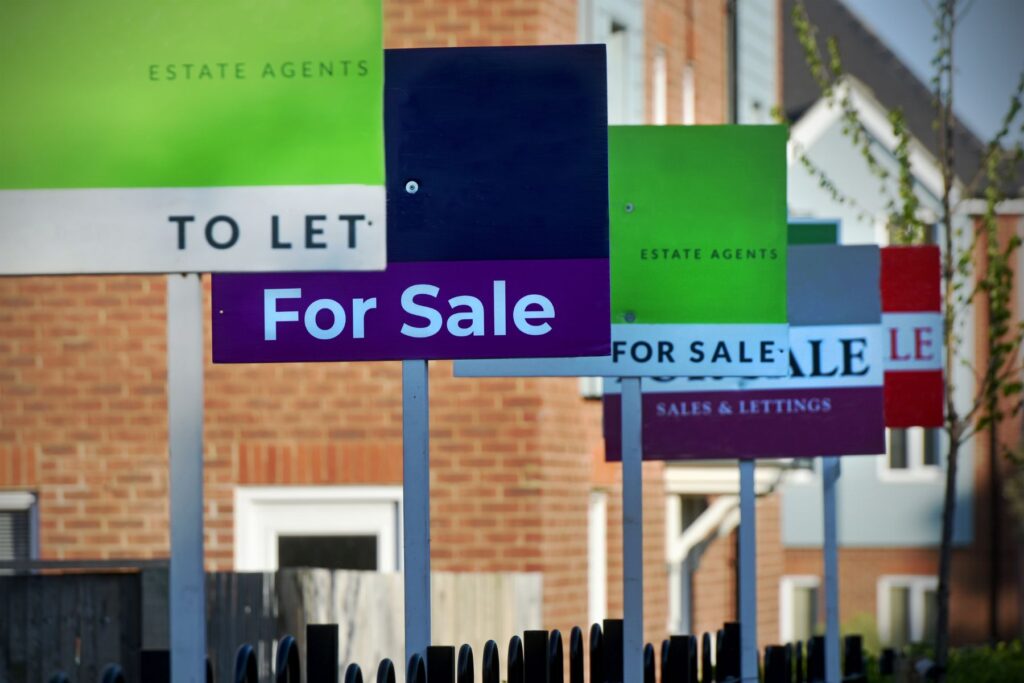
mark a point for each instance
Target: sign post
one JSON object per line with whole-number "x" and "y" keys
{"x": 632, "y": 529}
{"x": 146, "y": 152}
{"x": 831, "y": 403}
{"x": 912, "y": 316}
{"x": 416, "y": 504}
{"x": 464, "y": 278}
{"x": 698, "y": 288}
{"x": 748, "y": 572}
{"x": 824, "y": 231}
{"x": 187, "y": 578}
{"x": 830, "y": 471}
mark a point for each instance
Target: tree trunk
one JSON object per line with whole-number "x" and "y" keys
{"x": 995, "y": 534}
{"x": 945, "y": 560}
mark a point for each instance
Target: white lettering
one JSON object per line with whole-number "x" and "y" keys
{"x": 475, "y": 316}
{"x": 433, "y": 318}
{"x": 359, "y": 309}
{"x": 499, "y": 308}
{"x": 337, "y": 312}
{"x": 271, "y": 316}
{"x": 521, "y": 315}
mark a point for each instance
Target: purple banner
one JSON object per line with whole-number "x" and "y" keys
{"x": 423, "y": 310}
{"x": 770, "y": 423}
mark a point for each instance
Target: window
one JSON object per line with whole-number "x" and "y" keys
{"x": 597, "y": 557}
{"x": 907, "y": 609}
{"x": 334, "y": 527}
{"x": 690, "y": 508}
{"x": 617, "y": 76}
{"x": 591, "y": 387}
{"x": 17, "y": 528}
{"x": 328, "y": 552}
{"x": 659, "y": 104}
{"x": 912, "y": 453}
{"x": 800, "y": 608}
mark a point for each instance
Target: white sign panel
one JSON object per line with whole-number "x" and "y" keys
{"x": 825, "y": 356}
{"x": 660, "y": 351}
{"x": 177, "y": 230}
{"x": 914, "y": 341}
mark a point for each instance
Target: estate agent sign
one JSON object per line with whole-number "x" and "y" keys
{"x": 698, "y": 219}
{"x": 498, "y": 223}
{"x": 832, "y": 402}
{"x": 165, "y": 136}
{"x": 912, "y": 317}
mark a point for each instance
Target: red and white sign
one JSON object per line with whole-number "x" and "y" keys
{"x": 912, "y": 319}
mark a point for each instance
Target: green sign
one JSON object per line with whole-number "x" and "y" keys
{"x": 813, "y": 231}
{"x": 188, "y": 95}
{"x": 698, "y": 216}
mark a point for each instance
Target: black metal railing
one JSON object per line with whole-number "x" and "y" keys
{"x": 538, "y": 657}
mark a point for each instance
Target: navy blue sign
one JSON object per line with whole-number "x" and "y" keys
{"x": 508, "y": 148}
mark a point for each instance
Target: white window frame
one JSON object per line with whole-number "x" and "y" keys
{"x": 597, "y": 557}
{"x": 787, "y": 585}
{"x": 19, "y": 501}
{"x": 689, "y": 95}
{"x": 592, "y": 387}
{"x": 264, "y": 513}
{"x": 659, "y": 88}
{"x": 916, "y": 470}
{"x": 918, "y": 584}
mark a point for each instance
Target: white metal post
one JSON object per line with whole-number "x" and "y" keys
{"x": 748, "y": 572}
{"x": 416, "y": 505}
{"x": 830, "y": 470}
{"x": 185, "y": 430}
{"x": 632, "y": 532}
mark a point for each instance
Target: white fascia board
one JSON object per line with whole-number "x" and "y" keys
{"x": 16, "y": 500}
{"x": 823, "y": 114}
{"x": 977, "y": 207}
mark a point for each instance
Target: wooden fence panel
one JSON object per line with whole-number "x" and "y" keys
{"x": 76, "y": 623}
{"x": 81, "y": 622}
{"x": 241, "y": 608}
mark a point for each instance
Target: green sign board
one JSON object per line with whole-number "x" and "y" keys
{"x": 698, "y": 224}
{"x": 813, "y": 231}
{"x": 698, "y": 257}
{"x": 182, "y": 96}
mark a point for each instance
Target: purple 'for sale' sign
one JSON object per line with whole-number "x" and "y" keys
{"x": 830, "y": 404}
{"x": 481, "y": 309}
{"x": 497, "y": 235}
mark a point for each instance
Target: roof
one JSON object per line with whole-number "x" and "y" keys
{"x": 867, "y": 58}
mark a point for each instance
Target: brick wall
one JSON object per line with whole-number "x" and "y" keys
{"x": 715, "y": 581}
{"x": 689, "y": 31}
{"x": 83, "y": 411}
{"x": 710, "y": 59}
